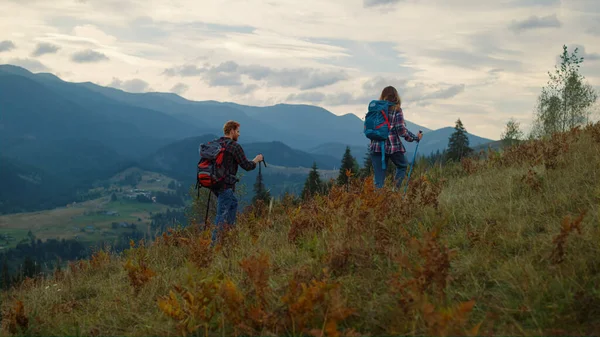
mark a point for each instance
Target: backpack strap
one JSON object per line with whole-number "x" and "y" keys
{"x": 383, "y": 155}
{"x": 387, "y": 121}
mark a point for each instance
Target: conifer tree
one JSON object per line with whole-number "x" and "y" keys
{"x": 348, "y": 163}
{"x": 30, "y": 268}
{"x": 458, "y": 143}
{"x": 367, "y": 168}
{"x": 5, "y": 274}
{"x": 313, "y": 183}
{"x": 260, "y": 192}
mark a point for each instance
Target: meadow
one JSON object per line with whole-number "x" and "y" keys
{"x": 91, "y": 220}
{"x": 506, "y": 244}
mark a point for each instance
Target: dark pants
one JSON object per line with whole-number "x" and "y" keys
{"x": 397, "y": 158}
{"x": 227, "y": 205}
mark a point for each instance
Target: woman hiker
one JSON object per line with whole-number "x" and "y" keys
{"x": 394, "y": 149}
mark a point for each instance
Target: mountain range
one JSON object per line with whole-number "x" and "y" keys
{"x": 79, "y": 133}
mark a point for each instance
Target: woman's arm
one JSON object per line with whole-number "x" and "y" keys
{"x": 401, "y": 129}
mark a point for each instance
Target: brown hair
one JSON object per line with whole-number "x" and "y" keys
{"x": 390, "y": 94}
{"x": 229, "y": 126}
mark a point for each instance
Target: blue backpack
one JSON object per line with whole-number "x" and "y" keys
{"x": 377, "y": 125}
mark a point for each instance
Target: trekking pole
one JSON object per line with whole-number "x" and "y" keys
{"x": 411, "y": 166}
{"x": 207, "y": 206}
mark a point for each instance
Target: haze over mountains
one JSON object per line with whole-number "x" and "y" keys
{"x": 78, "y": 133}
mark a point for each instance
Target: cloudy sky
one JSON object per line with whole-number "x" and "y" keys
{"x": 481, "y": 61}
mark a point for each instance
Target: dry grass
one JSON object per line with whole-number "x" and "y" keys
{"x": 506, "y": 245}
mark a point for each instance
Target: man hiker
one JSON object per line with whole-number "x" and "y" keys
{"x": 227, "y": 203}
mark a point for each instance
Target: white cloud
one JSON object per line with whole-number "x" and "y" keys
{"x": 449, "y": 59}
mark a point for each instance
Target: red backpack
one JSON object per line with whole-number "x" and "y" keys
{"x": 211, "y": 172}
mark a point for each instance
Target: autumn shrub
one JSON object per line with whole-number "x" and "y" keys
{"x": 560, "y": 240}
{"x": 137, "y": 267}
{"x": 14, "y": 319}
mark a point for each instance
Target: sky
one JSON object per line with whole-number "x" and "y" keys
{"x": 481, "y": 61}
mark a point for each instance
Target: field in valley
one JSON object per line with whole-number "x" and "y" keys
{"x": 91, "y": 220}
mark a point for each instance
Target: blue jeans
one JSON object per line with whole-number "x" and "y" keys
{"x": 397, "y": 158}
{"x": 227, "y": 205}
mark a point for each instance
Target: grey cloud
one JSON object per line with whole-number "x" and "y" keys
{"x": 321, "y": 79}
{"x": 313, "y": 97}
{"x": 184, "y": 71}
{"x": 226, "y": 67}
{"x": 342, "y": 98}
{"x": 585, "y": 6}
{"x": 29, "y": 64}
{"x": 257, "y": 72}
{"x": 581, "y": 52}
{"x": 592, "y": 57}
{"x": 589, "y": 56}
{"x": 469, "y": 60}
{"x": 229, "y": 73}
{"x": 134, "y": 85}
{"x": 490, "y": 43}
{"x": 45, "y": 48}
{"x": 535, "y": 22}
{"x": 335, "y": 99}
{"x": 243, "y": 89}
{"x": 445, "y": 93}
{"x": 375, "y": 85}
{"x": 533, "y": 3}
{"x": 87, "y": 56}
{"x": 374, "y": 3}
{"x": 220, "y": 79}
{"x": 302, "y": 78}
{"x": 593, "y": 30}
{"x": 6, "y": 45}
{"x": 180, "y": 88}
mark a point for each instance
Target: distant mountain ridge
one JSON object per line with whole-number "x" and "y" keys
{"x": 299, "y": 126}
{"x": 81, "y": 133}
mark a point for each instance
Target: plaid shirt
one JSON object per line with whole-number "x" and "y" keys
{"x": 393, "y": 144}
{"x": 235, "y": 156}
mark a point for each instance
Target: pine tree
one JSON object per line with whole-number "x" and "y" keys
{"x": 348, "y": 163}
{"x": 367, "y": 168}
{"x": 313, "y": 183}
{"x": 29, "y": 267}
{"x": 458, "y": 143}
{"x": 5, "y": 274}
{"x": 260, "y": 192}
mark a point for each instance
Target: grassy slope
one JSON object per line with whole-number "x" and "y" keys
{"x": 494, "y": 259}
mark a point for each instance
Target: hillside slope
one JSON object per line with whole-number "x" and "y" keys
{"x": 24, "y": 188}
{"x": 503, "y": 246}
